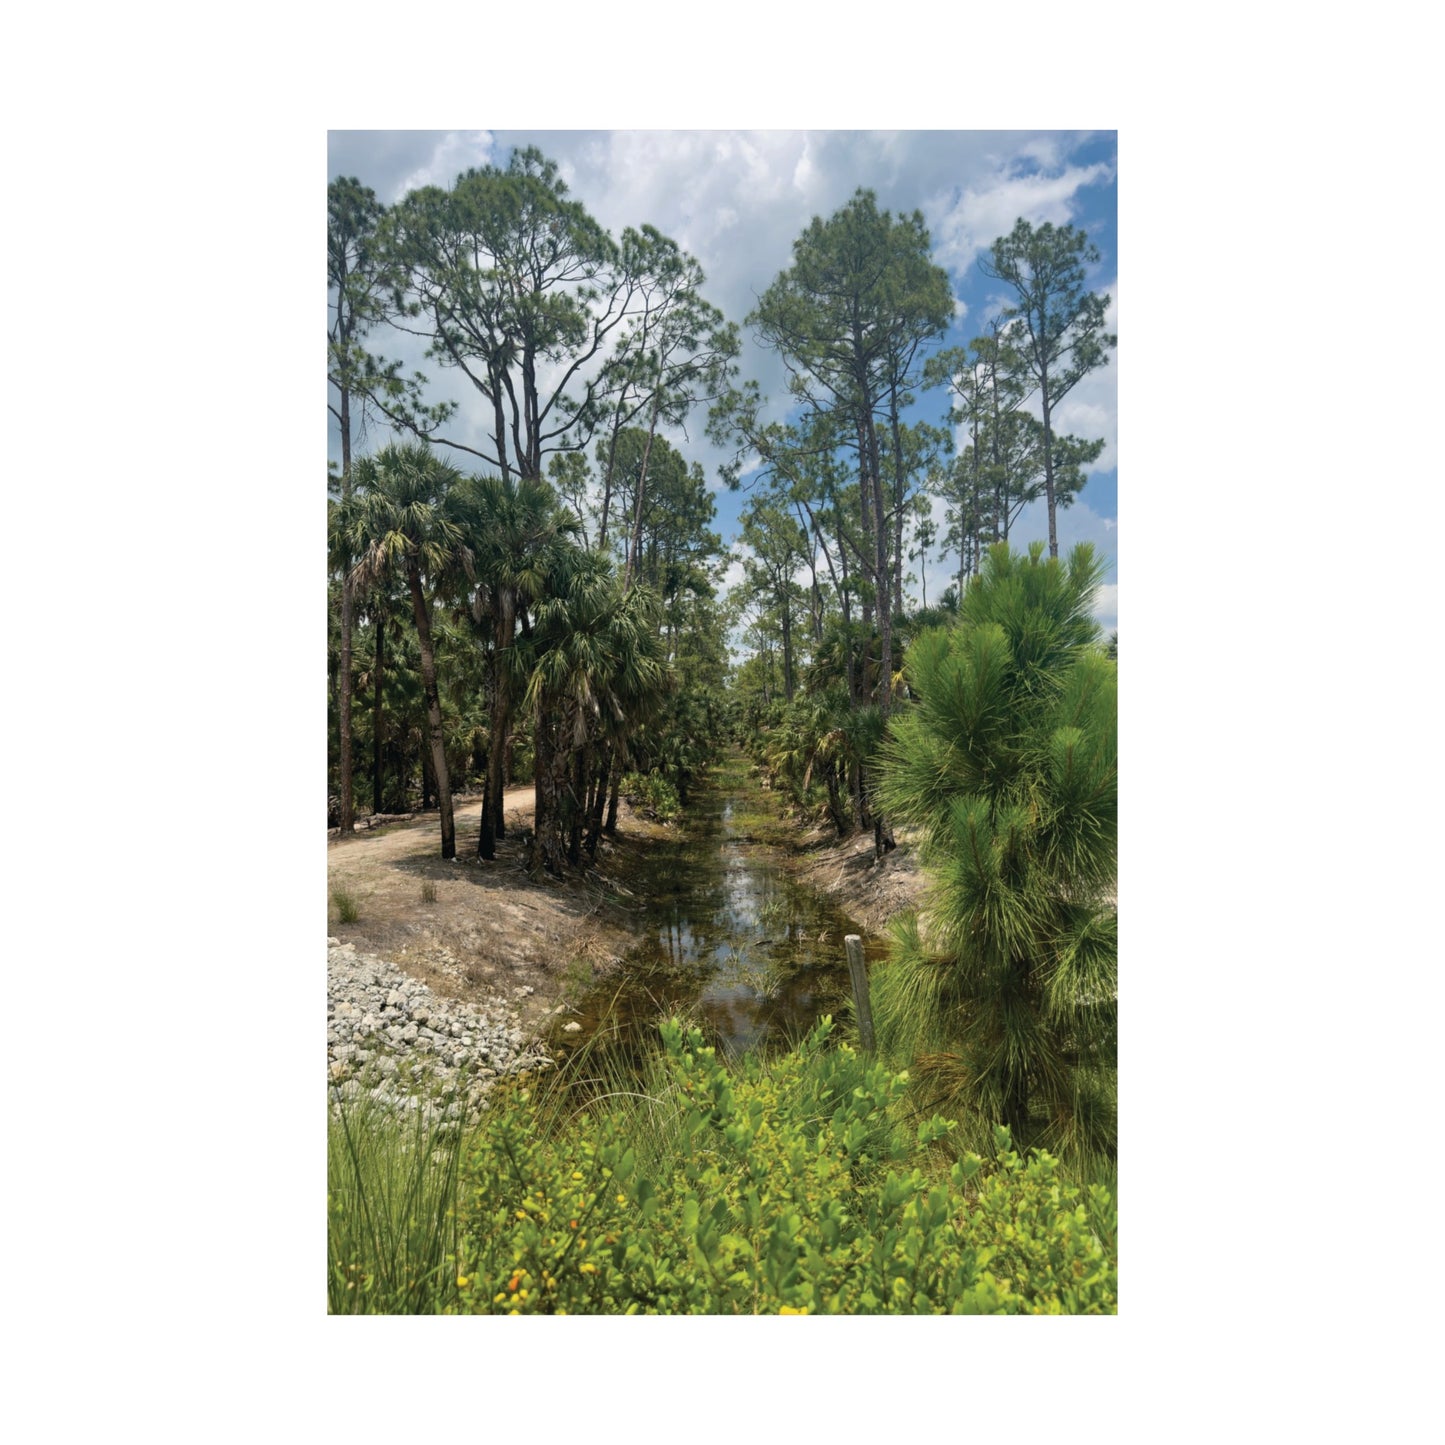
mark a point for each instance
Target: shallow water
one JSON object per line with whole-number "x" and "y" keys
{"x": 736, "y": 943}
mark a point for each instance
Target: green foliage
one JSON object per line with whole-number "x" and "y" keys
{"x": 390, "y": 1188}
{"x": 348, "y": 906}
{"x": 775, "y": 1189}
{"x": 1007, "y": 764}
{"x": 652, "y": 794}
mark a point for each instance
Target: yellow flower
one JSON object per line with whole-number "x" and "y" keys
{"x": 462, "y": 1281}
{"x": 576, "y": 1175}
{"x": 622, "y": 1199}
{"x": 587, "y": 1268}
{"x": 789, "y": 1310}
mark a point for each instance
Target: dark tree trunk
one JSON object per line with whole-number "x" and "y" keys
{"x": 504, "y": 635}
{"x": 348, "y": 604}
{"x": 487, "y": 831}
{"x": 433, "y": 711}
{"x": 376, "y": 798}
{"x": 348, "y": 806}
{"x": 607, "y": 481}
{"x": 551, "y": 820}
{"x": 787, "y": 621}
{"x": 576, "y": 812}
{"x": 641, "y": 491}
{"x": 598, "y": 802}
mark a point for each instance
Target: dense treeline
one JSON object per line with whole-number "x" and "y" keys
{"x": 486, "y": 630}
{"x": 842, "y": 501}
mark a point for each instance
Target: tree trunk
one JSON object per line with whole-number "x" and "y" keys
{"x": 607, "y": 479}
{"x": 348, "y": 602}
{"x": 1049, "y": 464}
{"x": 552, "y": 819}
{"x": 348, "y": 806}
{"x": 504, "y": 634}
{"x": 641, "y": 490}
{"x": 787, "y": 621}
{"x": 376, "y": 798}
{"x": 433, "y": 709}
{"x": 576, "y": 813}
{"x": 599, "y": 801}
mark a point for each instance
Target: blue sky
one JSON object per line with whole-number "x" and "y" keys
{"x": 737, "y": 199}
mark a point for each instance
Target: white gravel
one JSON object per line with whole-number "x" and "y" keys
{"x": 390, "y": 1036}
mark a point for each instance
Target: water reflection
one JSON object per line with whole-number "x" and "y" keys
{"x": 736, "y": 942}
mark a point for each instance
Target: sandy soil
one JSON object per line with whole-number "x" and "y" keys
{"x": 870, "y": 891}
{"x": 491, "y": 930}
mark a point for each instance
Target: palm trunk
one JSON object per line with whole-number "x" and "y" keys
{"x": 549, "y": 830}
{"x": 433, "y": 709}
{"x": 376, "y": 719}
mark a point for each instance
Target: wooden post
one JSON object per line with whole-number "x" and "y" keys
{"x": 859, "y": 975}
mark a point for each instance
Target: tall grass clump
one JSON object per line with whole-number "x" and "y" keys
{"x": 346, "y": 903}
{"x": 391, "y": 1186}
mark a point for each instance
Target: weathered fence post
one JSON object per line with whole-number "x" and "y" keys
{"x": 859, "y": 975}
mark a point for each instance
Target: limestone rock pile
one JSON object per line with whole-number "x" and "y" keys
{"x": 389, "y": 1035}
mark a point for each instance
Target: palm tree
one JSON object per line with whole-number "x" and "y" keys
{"x": 513, "y": 527}
{"x": 598, "y": 656}
{"x": 1006, "y": 998}
{"x": 401, "y": 517}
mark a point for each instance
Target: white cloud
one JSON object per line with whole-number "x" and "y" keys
{"x": 1079, "y": 523}
{"x": 965, "y": 223}
{"x": 1106, "y": 607}
{"x": 455, "y": 152}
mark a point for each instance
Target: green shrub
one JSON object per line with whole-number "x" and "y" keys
{"x": 653, "y": 794}
{"x": 782, "y": 1193}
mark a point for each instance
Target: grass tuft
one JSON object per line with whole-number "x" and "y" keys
{"x": 348, "y": 906}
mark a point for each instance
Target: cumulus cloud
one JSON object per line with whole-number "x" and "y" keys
{"x": 1106, "y": 606}
{"x": 455, "y": 152}
{"x": 966, "y": 221}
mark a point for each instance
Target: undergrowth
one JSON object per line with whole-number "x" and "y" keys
{"x": 677, "y": 1185}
